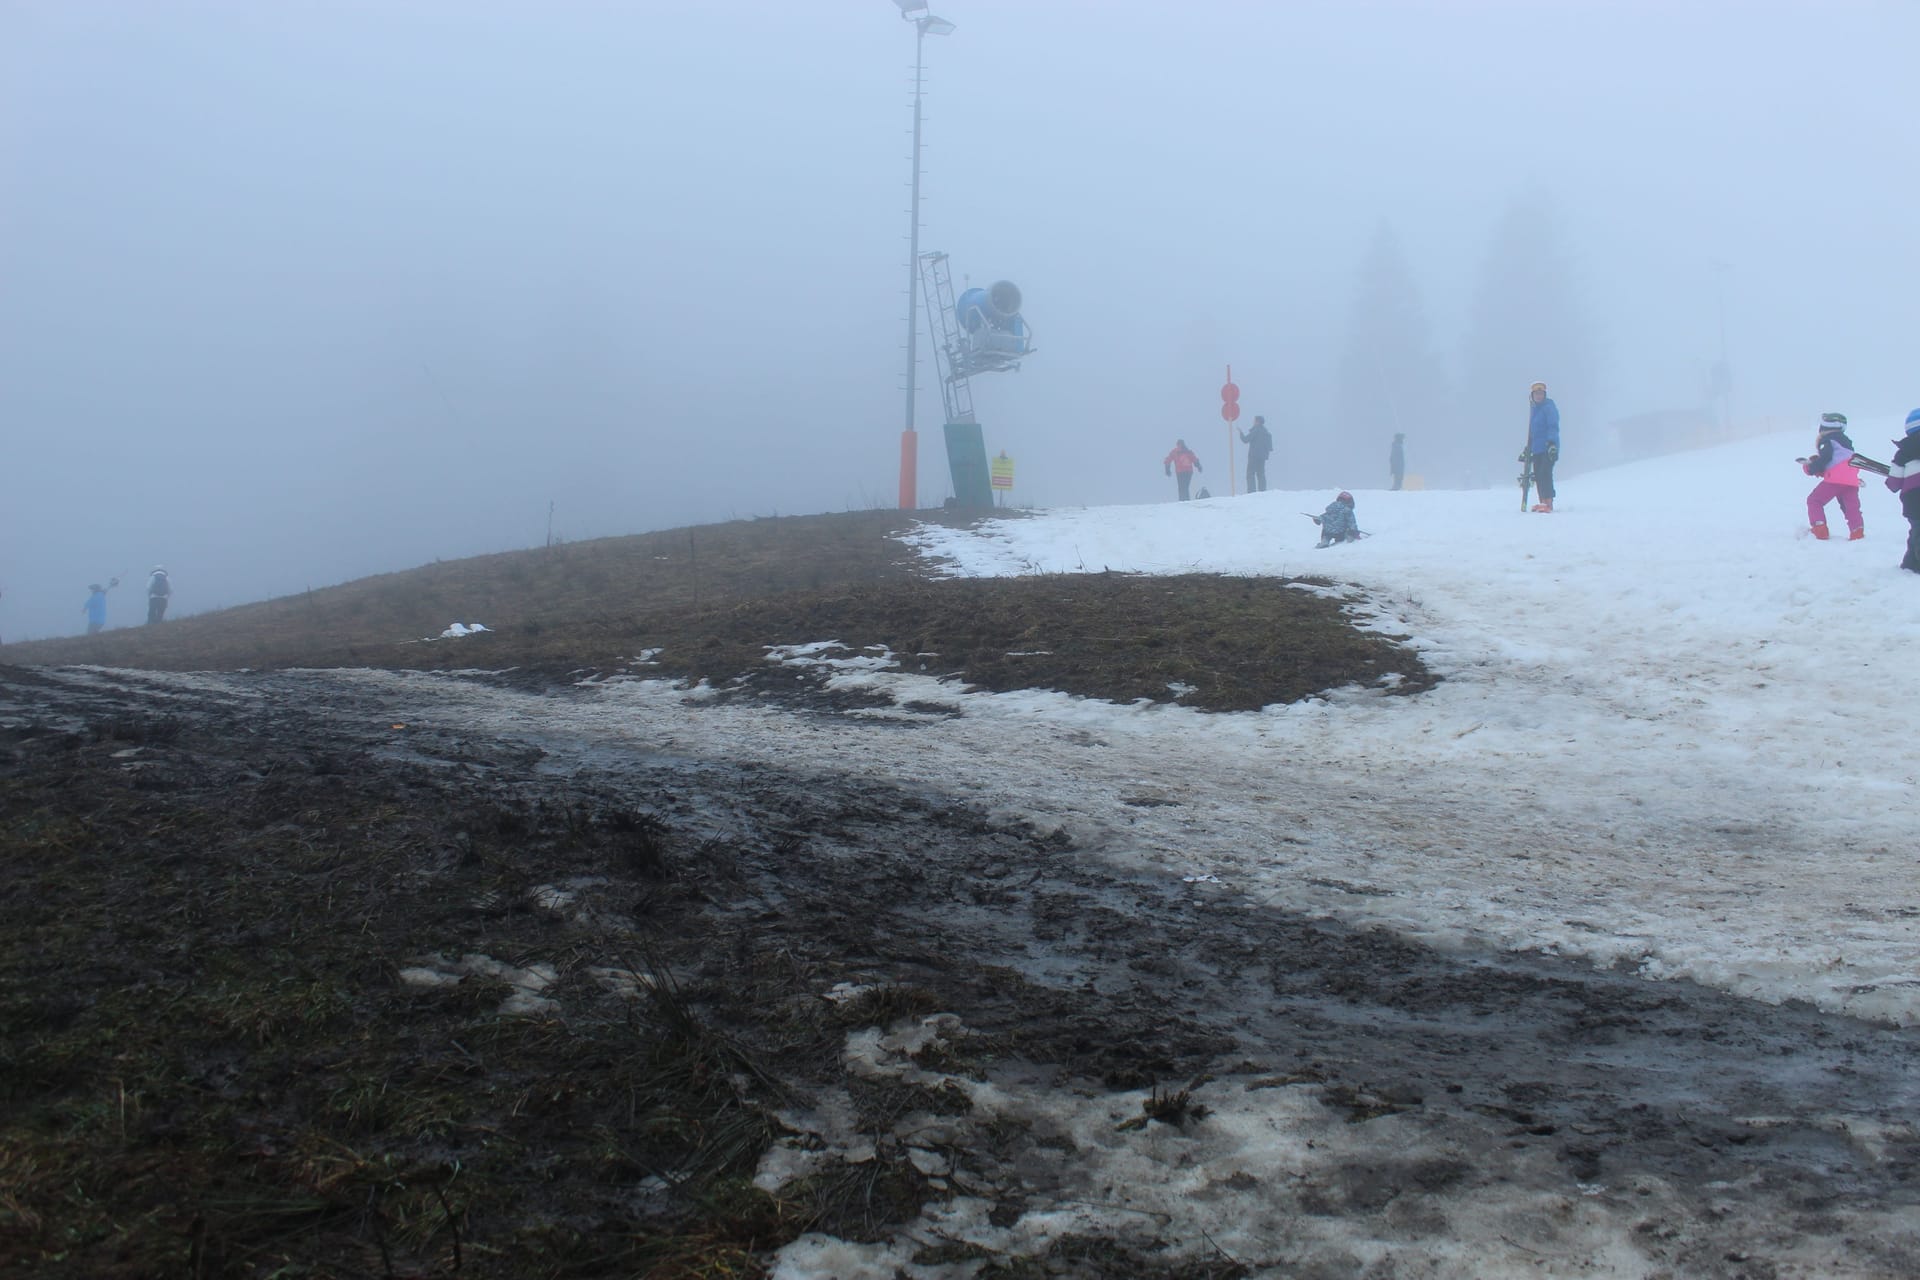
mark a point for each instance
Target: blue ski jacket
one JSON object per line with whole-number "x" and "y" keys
{"x": 1543, "y": 426}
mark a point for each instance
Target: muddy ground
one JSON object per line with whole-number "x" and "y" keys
{"x": 292, "y": 990}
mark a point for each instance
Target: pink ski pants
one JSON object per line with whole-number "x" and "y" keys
{"x": 1825, "y": 492}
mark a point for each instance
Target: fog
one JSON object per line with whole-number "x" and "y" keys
{"x": 296, "y": 292}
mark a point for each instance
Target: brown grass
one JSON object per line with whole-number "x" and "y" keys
{"x": 710, "y": 600}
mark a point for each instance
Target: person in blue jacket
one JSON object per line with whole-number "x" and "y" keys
{"x": 95, "y": 608}
{"x": 1543, "y": 442}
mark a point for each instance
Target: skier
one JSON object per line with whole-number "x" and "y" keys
{"x": 1832, "y": 465}
{"x": 159, "y": 591}
{"x": 1259, "y": 442}
{"x": 1903, "y": 477}
{"x": 1338, "y": 523}
{"x": 1543, "y": 443}
{"x": 1397, "y": 459}
{"x": 95, "y": 608}
{"x": 1182, "y": 463}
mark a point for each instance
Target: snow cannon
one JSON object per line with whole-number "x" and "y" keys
{"x": 991, "y": 335}
{"x": 994, "y": 308}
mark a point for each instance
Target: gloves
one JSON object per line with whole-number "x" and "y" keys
{"x": 1169, "y": 468}
{"x": 1524, "y": 457}
{"x": 1553, "y": 452}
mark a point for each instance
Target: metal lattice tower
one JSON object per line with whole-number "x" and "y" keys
{"x": 936, "y": 286}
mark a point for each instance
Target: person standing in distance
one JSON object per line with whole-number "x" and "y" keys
{"x": 1259, "y": 442}
{"x": 95, "y": 608}
{"x": 1543, "y": 442}
{"x": 1181, "y": 463}
{"x": 159, "y": 591}
{"x": 1397, "y": 458}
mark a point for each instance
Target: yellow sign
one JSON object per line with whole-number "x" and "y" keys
{"x": 1002, "y": 471}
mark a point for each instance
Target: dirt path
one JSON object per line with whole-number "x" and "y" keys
{"x": 1333, "y": 1101}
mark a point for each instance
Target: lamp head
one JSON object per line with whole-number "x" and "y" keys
{"x": 911, "y": 9}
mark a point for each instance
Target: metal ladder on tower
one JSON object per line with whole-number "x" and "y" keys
{"x": 956, "y": 387}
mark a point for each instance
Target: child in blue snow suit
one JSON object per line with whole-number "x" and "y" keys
{"x": 95, "y": 608}
{"x": 1338, "y": 522}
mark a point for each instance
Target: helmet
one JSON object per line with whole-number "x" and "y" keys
{"x": 1833, "y": 422}
{"x": 1345, "y": 497}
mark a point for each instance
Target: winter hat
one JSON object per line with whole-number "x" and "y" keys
{"x": 1345, "y": 497}
{"x": 94, "y": 586}
{"x": 1913, "y": 422}
{"x": 1833, "y": 422}
{"x": 1538, "y": 386}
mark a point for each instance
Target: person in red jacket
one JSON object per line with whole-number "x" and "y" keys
{"x": 1181, "y": 464}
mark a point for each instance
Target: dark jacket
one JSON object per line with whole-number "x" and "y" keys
{"x": 1397, "y": 459}
{"x": 1904, "y": 473}
{"x": 1259, "y": 442}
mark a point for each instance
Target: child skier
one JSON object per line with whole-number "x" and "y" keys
{"x": 1832, "y": 463}
{"x": 1903, "y": 477}
{"x": 1338, "y": 522}
{"x": 95, "y": 608}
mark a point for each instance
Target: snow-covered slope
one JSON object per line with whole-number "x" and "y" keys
{"x": 1676, "y": 731}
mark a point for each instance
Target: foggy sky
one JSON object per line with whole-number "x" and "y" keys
{"x": 294, "y": 292}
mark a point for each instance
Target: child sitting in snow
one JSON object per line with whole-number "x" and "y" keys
{"x": 1338, "y": 522}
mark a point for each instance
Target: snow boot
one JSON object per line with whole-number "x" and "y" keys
{"x": 1820, "y": 532}
{"x": 1544, "y": 507}
{"x": 1856, "y": 535}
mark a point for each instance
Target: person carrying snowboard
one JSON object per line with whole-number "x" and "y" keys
{"x": 1259, "y": 442}
{"x": 1181, "y": 464}
{"x": 1543, "y": 443}
{"x": 1832, "y": 465}
{"x": 1338, "y": 523}
{"x": 1903, "y": 477}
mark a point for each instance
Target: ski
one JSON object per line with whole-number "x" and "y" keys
{"x": 1526, "y": 477}
{"x": 1859, "y": 460}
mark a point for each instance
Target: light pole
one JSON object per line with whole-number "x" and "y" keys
{"x": 1723, "y": 373}
{"x": 924, "y": 25}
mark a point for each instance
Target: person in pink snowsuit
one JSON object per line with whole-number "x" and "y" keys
{"x": 1832, "y": 464}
